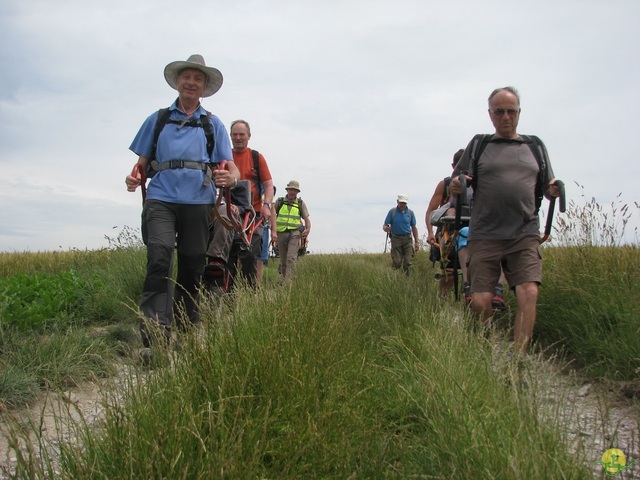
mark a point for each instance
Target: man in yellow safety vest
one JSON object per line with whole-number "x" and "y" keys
{"x": 290, "y": 227}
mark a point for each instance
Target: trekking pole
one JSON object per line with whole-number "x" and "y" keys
{"x": 386, "y": 242}
{"x": 232, "y": 224}
{"x": 552, "y": 206}
{"x": 462, "y": 198}
{"x": 249, "y": 224}
{"x": 137, "y": 169}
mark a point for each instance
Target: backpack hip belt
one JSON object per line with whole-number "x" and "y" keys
{"x": 190, "y": 164}
{"x": 164, "y": 115}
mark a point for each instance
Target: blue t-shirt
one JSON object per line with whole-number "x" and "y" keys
{"x": 182, "y": 185}
{"x": 402, "y": 221}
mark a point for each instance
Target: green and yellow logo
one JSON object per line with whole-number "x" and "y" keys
{"x": 614, "y": 461}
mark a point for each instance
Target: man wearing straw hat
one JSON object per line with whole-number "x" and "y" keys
{"x": 180, "y": 195}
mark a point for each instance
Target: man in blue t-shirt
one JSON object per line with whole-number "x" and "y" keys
{"x": 179, "y": 200}
{"x": 400, "y": 225}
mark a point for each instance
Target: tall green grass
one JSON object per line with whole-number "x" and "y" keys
{"x": 589, "y": 302}
{"x": 65, "y": 317}
{"x": 349, "y": 371}
{"x": 589, "y": 306}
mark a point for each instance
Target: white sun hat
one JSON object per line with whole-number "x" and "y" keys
{"x": 214, "y": 77}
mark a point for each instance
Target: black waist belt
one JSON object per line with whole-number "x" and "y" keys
{"x": 205, "y": 167}
{"x": 400, "y": 236}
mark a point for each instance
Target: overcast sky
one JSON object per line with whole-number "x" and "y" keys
{"x": 357, "y": 100}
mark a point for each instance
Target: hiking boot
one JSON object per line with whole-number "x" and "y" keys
{"x": 215, "y": 276}
{"x": 215, "y": 270}
{"x": 497, "y": 302}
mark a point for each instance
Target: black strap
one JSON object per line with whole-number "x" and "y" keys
{"x": 281, "y": 201}
{"x": 395, "y": 210}
{"x": 445, "y": 195}
{"x": 163, "y": 116}
{"x": 256, "y": 163}
{"x": 256, "y": 167}
{"x": 182, "y": 164}
{"x": 480, "y": 142}
{"x": 462, "y": 198}
{"x": 539, "y": 152}
{"x": 208, "y": 132}
{"x": 279, "y": 204}
{"x": 163, "y": 119}
{"x": 206, "y": 167}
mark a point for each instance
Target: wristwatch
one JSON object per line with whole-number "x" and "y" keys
{"x": 267, "y": 204}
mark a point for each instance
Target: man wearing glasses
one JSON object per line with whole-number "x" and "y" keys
{"x": 504, "y": 228}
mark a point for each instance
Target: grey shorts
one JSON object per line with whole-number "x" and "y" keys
{"x": 521, "y": 261}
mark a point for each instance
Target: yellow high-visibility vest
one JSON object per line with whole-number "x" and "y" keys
{"x": 288, "y": 217}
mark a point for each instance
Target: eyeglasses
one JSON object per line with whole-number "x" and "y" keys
{"x": 501, "y": 111}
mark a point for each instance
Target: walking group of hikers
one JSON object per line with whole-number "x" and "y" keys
{"x": 218, "y": 235}
{"x": 486, "y": 215}
{"x": 221, "y": 235}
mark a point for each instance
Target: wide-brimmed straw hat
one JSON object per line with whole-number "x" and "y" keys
{"x": 293, "y": 184}
{"x": 214, "y": 77}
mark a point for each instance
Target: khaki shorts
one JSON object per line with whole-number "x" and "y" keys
{"x": 520, "y": 259}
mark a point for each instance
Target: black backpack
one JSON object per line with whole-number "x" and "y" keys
{"x": 163, "y": 118}
{"x": 480, "y": 142}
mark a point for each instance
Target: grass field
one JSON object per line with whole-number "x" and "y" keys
{"x": 350, "y": 371}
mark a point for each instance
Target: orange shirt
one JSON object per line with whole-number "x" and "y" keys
{"x": 244, "y": 162}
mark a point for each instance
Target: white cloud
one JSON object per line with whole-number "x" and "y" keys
{"x": 358, "y": 100}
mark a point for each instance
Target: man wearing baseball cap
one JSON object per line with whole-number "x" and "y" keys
{"x": 400, "y": 225}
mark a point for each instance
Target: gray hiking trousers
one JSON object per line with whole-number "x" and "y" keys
{"x": 167, "y": 227}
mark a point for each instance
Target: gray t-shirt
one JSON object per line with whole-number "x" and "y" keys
{"x": 504, "y": 203}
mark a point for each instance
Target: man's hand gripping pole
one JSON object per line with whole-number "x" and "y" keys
{"x": 139, "y": 170}
{"x": 552, "y": 206}
{"x": 462, "y": 199}
{"x": 233, "y": 223}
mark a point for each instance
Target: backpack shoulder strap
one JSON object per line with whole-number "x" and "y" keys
{"x": 478, "y": 144}
{"x": 256, "y": 166}
{"x": 256, "y": 163}
{"x": 536, "y": 146}
{"x": 279, "y": 203}
{"x": 540, "y": 154}
{"x": 204, "y": 122}
{"x": 208, "y": 132}
{"x": 445, "y": 191}
{"x": 161, "y": 121}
